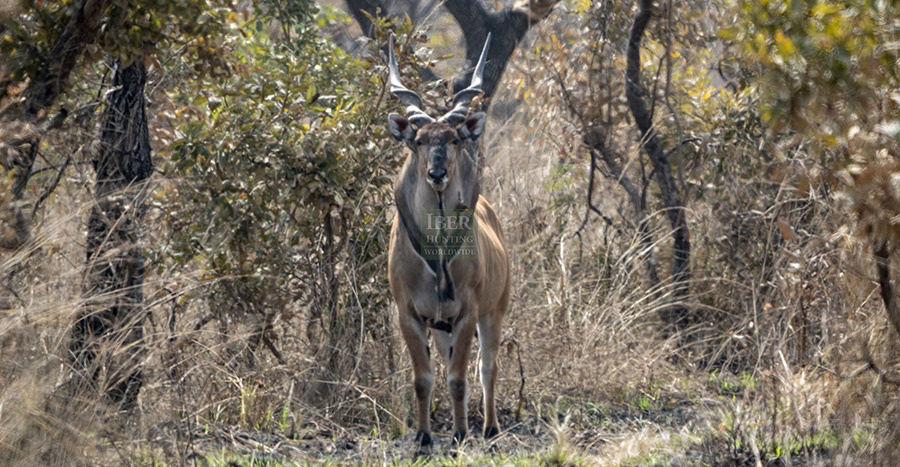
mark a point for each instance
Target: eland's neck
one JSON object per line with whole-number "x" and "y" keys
{"x": 421, "y": 199}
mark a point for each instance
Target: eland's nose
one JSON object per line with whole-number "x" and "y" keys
{"x": 437, "y": 175}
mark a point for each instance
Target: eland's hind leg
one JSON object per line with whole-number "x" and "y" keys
{"x": 489, "y": 340}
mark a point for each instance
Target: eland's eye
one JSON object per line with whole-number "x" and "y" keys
{"x": 454, "y": 141}
{"x": 420, "y": 142}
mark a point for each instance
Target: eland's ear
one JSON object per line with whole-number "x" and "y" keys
{"x": 400, "y": 127}
{"x": 473, "y": 127}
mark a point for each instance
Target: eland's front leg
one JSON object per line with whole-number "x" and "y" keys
{"x": 413, "y": 330}
{"x": 456, "y": 376}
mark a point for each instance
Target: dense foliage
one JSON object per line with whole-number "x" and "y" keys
{"x": 828, "y": 72}
{"x": 291, "y": 197}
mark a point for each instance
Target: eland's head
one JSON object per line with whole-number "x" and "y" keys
{"x": 443, "y": 149}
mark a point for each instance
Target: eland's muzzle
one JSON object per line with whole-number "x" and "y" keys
{"x": 437, "y": 176}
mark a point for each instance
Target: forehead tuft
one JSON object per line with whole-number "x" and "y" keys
{"x": 436, "y": 132}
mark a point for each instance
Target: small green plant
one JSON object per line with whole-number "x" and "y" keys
{"x": 284, "y": 422}
{"x": 246, "y": 401}
{"x": 726, "y": 384}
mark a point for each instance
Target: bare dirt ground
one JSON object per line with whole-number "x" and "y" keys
{"x": 678, "y": 434}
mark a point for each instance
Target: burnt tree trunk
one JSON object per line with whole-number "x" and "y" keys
{"x": 507, "y": 28}
{"x": 677, "y": 316}
{"x": 106, "y": 343}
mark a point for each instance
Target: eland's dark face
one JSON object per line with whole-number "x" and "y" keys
{"x": 439, "y": 148}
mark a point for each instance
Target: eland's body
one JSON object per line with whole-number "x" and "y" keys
{"x": 451, "y": 288}
{"x": 412, "y": 280}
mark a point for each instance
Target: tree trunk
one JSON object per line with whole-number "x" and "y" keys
{"x": 507, "y": 28}
{"x": 106, "y": 344}
{"x": 676, "y": 316}
{"x": 361, "y": 10}
{"x": 50, "y": 81}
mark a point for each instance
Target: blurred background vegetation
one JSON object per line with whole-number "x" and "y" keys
{"x": 701, "y": 201}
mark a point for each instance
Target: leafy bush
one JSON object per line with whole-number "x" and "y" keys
{"x": 282, "y": 189}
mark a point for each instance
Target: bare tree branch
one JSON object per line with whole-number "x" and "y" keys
{"x": 594, "y": 139}
{"x": 639, "y": 204}
{"x": 676, "y": 316}
{"x": 49, "y": 190}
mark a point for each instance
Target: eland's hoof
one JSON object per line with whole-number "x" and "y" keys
{"x": 423, "y": 440}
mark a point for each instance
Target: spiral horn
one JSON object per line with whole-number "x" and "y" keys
{"x": 463, "y": 98}
{"x": 413, "y": 102}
